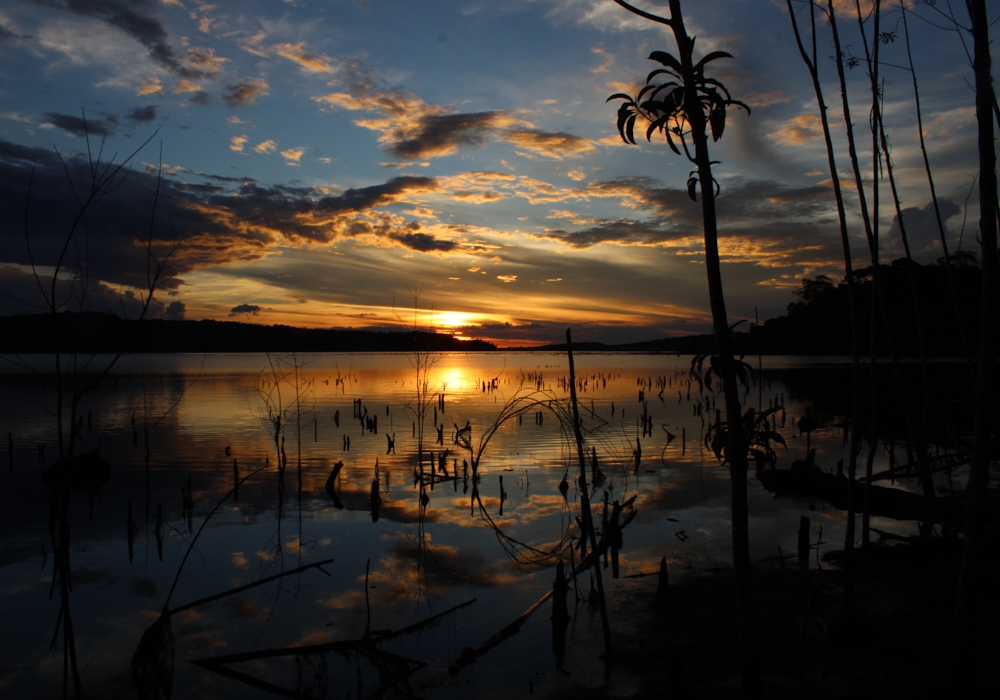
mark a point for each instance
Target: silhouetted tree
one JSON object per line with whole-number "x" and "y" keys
{"x": 686, "y": 109}
{"x": 970, "y": 581}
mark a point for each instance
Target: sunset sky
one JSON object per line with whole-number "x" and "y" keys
{"x": 324, "y": 160}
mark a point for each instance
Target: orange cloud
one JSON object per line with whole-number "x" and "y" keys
{"x": 292, "y": 156}
{"x": 310, "y": 61}
{"x": 268, "y": 146}
{"x": 477, "y": 197}
{"x": 186, "y": 86}
{"x": 799, "y": 130}
{"x": 550, "y": 145}
{"x": 149, "y": 86}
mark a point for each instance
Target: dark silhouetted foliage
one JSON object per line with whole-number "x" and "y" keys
{"x": 819, "y": 322}
{"x": 99, "y": 332}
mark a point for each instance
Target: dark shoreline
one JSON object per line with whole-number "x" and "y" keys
{"x": 92, "y": 332}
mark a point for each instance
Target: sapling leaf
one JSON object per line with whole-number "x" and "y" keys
{"x": 716, "y": 83}
{"x": 717, "y": 120}
{"x": 661, "y": 71}
{"x": 656, "y": 125}
{"x": 642, "y": 92}
{"x": 670, "y": 142}
{"x": 667, "y": 60}
{"x": 711, "y": 57}
{"x": 623, "y": 114}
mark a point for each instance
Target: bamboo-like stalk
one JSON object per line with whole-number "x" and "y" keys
{"x": 934, "y": 199}
{"x": 852, "y": 463}
{"x": 873, "y": 240}
{"x": 973, "y": 553}
{"x": 588, "y": 520}
{"x": 813, "y": 66}
{"x": 926, "y": 477}
{"x": 914, "y": 435}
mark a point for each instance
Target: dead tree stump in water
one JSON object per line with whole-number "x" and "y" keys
{"x": 804, "y": 540}
{"x": 559, "y": 590}
{"x": 663, "y": 587}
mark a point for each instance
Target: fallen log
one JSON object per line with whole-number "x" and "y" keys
{"x": 883, "y": 502}
{"x": 940, "y": 463}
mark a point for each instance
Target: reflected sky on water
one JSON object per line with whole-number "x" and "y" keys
{"x": 201, "y": 414}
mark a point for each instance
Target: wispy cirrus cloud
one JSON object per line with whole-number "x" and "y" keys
{"x": 315, "y": 63}
{"x": 138, "y": 19}
{"x": 143, "y": 115}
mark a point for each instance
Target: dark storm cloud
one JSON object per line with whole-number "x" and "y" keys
{"x": 244, "y": 93}
{"x": 439, "y": 134}
{"x": 922, "y": 229}
{"x": 513, "y": 332}
{"x": 199, "y": 223}
{"x": 136, "y": 18}
{"x": 424, "y": 243}
{"x": 414, "y": 129}
{"x": 15, "y": 153}
{"x": 620, "y": 232}
{"x": 19, "y": 295}
{"x": 739, "y": 199}
{"x": 368, "y": 197}
{"x": 175, "y": 310}
{"x": 141, "y": 115}
{"x": 8, "y": 35}
{"x": 79, "y": 126}
{"x": 764, "y": 211}
{"x": 200, "y": 98}
{"x": 251, "y": 309}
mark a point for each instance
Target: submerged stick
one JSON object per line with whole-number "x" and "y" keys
{"x": 588, "y": 521}
{"x": 422, "y": 623}
{"x": 166, "y": 603}
{"x": 470, "y": 654}
{"x": 379, "y": 658}
{"x": 240, "y": 589}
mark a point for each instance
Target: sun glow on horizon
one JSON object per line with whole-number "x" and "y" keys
{"x": 453, "y": 319}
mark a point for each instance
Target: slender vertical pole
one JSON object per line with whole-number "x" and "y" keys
{"x": 588, "y": 521}
{"x": 971, "y": 580}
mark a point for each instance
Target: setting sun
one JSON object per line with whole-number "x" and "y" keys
{"x": 452, "y": 319}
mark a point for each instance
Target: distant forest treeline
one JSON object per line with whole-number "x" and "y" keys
{"x": 816, "y": 324}
{"x": 102, "y": 332}
{"x": 819, "y": 322}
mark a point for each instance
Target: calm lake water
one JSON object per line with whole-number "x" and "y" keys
{"x": 430, "y": 549}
